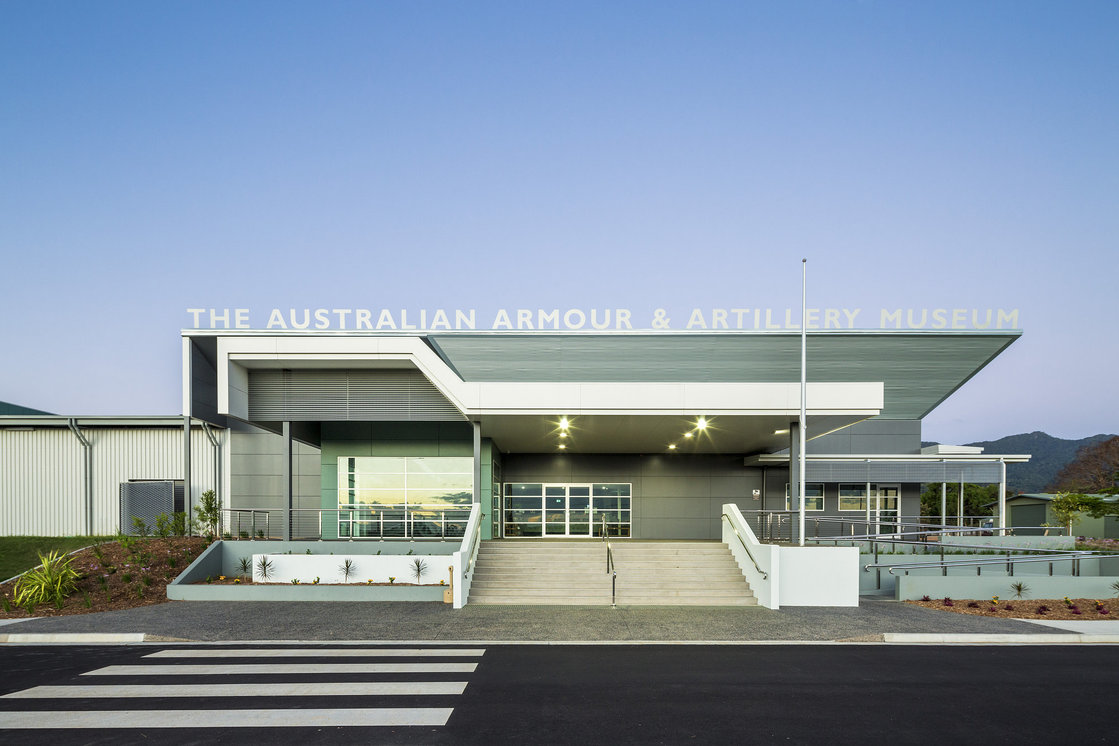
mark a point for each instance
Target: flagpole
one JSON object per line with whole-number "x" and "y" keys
{"x": 803, "y": 386}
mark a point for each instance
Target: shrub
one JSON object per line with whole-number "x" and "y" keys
{"x": 1019, "y": 589}
{"x": 163, "y": 525}
{"x": 973, "y": 605}
{"x": 208, "y": 513}
{"x": 948, "y": 602}
{"x": 925, "y": 598}
{"x": 139, "y": 525}
{"x": 264, "y": 568}
{"x": 52, "y": 581}
{"x": 419, "y": 567}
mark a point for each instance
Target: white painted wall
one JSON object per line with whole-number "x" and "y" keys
{"x": 327, "y": 568}
{"x": 819, "y": 576}
{"x": 764, "y": 584}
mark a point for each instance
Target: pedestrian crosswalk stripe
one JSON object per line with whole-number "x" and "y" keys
{"x": 301, "y": 689}
{"x": 320, "y": 653}
{"x": 315, "y": 718}
{"x": 223, "y": 669}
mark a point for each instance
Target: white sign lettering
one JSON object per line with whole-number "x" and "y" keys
{"x": 602, "y": 319}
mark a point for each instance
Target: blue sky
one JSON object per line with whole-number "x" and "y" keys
{"x": 160, "y": 156}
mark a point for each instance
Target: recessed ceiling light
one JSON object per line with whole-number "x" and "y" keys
{"x": 672, "y": 446}
{"x": 563, "y": 423}
{"x": 687, "y": 435}
{"x": 781, "y": 432}
{"x": 701, "y": 423}
{"x": 563, "y": 435}
{"x": 562, "y": 446}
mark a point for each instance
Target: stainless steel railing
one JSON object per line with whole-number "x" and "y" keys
{"x": 611, "y": 569}
{"x": 782, "y": 525}
{"x": 356, "y": 523}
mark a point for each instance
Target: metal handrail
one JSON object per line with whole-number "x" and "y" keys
{"x": 763, "y": 573}
{"x": 1072, "y": 556}
{"x": 474, "y": 538}
{"x": 611, "y": 568}
{"x": 941, "y": 545}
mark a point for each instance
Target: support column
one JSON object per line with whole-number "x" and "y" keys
{"x": 477, "y": 461}
{"x": 1002, "y": 494}
{"x": 943, "y": 503}
{"x": 188, "y": 502}
{"x": 289, "y": 500}
{"x": 960, "y": 506}
{"x": 794, "y": 480}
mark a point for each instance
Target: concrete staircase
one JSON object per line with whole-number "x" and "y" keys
{"x": 675, "y": 573}
{"x": 679, "y": 573}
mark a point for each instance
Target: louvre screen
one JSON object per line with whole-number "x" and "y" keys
{"x": 902, "y": 471}
{"x": 341, "y": 395}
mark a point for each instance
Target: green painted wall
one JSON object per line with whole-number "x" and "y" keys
{"x": 353, "y": 439}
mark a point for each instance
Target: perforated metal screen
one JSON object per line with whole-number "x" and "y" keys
{"x": 146, "y": 500}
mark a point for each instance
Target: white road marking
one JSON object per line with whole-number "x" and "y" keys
{"x": 321, "y": 653}
{"x": 194, "y": 719}
{"x": 219, "y": 669}
{"x": 302, "y": 689}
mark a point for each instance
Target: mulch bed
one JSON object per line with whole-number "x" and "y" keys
{"x": 1080, "y": 609}
{"x": 118, "y": 575}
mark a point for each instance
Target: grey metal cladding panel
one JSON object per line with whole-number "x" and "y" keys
{"x": 341, "y": 395}
{"x": 918, "y": 370}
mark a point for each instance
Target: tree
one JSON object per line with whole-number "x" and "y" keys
{"x": 1094, "y": 470}
{"x": 1067, "y": 507}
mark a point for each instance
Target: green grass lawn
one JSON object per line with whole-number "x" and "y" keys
{"x": 20, "y": 553}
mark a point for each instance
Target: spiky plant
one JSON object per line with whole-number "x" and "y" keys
{"x": 419, "y": 568}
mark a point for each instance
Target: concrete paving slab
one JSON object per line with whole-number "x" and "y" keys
{"x": 387, "y": 621}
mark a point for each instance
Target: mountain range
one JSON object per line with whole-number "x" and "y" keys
{"x": 1049, "y": 456}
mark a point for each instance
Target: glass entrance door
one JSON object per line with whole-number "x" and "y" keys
{"x": 566, "y": 510}
{"x": 887, "y": 509}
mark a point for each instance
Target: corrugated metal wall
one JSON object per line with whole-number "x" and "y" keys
{"x": 41, "y": 476}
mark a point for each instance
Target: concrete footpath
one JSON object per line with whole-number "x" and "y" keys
{"x": 874, "y": 620}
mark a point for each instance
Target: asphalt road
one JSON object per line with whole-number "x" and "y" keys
{"x": 613, "y": 694}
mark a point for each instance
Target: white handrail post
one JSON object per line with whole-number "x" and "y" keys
{"x": 803, "y": 387}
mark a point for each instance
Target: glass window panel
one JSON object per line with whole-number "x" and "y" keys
{"x": 439, "y": 497}
{"x": 583, "y": 491}
{"x": 444, "y": 481}
{"x": 440, "y": 465}
{"x": 523, "y": 502}
{"x": 554, "y": 503}
{"x": 378, "y": 481}
{"x": 813, "y": 497}
{"x": 521, "y": 488}
{"x": 552, "y": 491}
{"x": 611, "y": 502}
{"x": 523, "y": 516}
{"x": 611, "y": 489}
{"x": 379, "y": 497}
{"x": 373, "y": 465}
{"x": 578, "y": 503}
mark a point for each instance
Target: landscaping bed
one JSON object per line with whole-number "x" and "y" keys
{"x": 1079, "y": 609}
{"x": 119, "y": 574}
